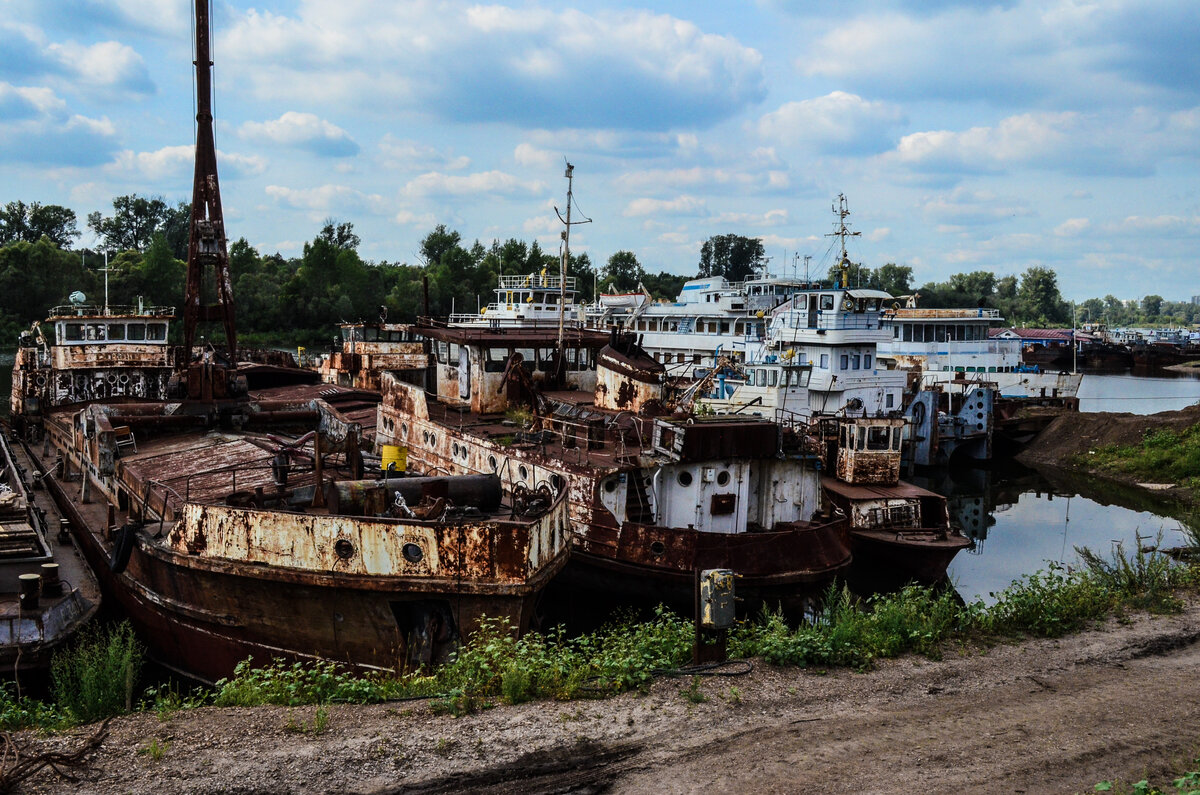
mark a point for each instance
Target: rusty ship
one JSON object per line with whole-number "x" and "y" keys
{"x": 653, "y": 495}
{"x": 233, "y": 521}
{"x": 47, "y": 591}
{"x": 896, "y": 527}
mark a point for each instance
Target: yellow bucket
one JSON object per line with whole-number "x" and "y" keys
{"x": 395, "y": 458}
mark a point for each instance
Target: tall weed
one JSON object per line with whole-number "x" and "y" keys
{"x": 95, "y": 679}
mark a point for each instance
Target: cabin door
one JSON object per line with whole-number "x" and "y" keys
{"x": 812, "y": 311}
{"x": 464, "y": 373}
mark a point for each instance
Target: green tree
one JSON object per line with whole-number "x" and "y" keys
{"x": 623, "y": 272}
{"x": 29, "y": 222}
{"x": 1152, "y": 306}
{"x": 1038, "y": 298}
{"x": 735, "y": 257}
{"x": 895, "y": 279}
{"x": 133, "y": 223}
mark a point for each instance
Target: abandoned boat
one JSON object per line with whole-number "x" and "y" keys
{"x": 47, "y": 592}
{"x": 895, "y": 527}
{"x": 653, "y": 495}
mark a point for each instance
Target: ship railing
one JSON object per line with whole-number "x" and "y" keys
{"x": 840, "y": 321}
{"x": 525, "y": 281}
{"x": 111, "y": 310}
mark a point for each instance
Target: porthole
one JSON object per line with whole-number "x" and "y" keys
{"x": 657, "y": 548}
{"x": 523, "y": 471}
{"x": 493, "y": 464}
{"x": 432, "y": 439}
{"x": 557, "y": 482}
{"x": 425, "y": 436}
{"x": 344, "y": 549}
{"x": 455, "y": 449}
{"x": 404, "y": 431}
{"x": 412, "y": 553}
{"x": 684, "y": 478}
{"x": 610, "y": 485}
{"x": 723, "y": 478}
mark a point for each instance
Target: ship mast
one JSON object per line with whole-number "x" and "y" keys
{"x": 841, "y": 231}
{"x": 564, "y": 262}
{"x": 206, "y": 241}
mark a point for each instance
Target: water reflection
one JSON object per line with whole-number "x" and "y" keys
{"x": 1021, "y": 518}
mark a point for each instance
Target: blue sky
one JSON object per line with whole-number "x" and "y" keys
{"x": 966, "y": 136}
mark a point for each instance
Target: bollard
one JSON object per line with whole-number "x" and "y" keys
{"x": 52, "y": 585}
{"x": 64, "y": 531}
{"x": 30, "y": 585}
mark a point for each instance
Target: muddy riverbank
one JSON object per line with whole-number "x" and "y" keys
{"x": 1041, "y": 716}
{"x": 1065, "y": 443}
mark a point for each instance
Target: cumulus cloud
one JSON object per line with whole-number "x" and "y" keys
{"x": 163, "y": 17}
{"x": 963, "y": 207}
{"x": 177, "y": 163}
{"x": 1159, "y": 226}
{"x": 531, "y": 67}
{"x": 36, "y": 127}
{"x": 107, "y": 69}
{"x": 304, "y": 131}
{"x": 1072, "y": 227}
{"x": 837, "y": 123}
{"x": 777, "y": 217}
{"x": 325, "y": 200}
{"x": 702, "y": 177}
{"x": 681, "y": 205}
{"x": 411, "y": 155}
{"x": 479, "y": 184}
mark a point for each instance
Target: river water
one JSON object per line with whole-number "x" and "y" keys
{"x": 1021, "y": 519}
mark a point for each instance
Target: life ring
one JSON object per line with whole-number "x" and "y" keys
{"x": 41, "y": 380}
{"x": 126, "y": 537}
{"x": 847, "y": 304}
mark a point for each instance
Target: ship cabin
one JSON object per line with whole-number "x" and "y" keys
{"x": 528, "y": 300}
{"x": 367, "y": 349}
{"x": 865, "y": 450}
{"x": 472, "y": 365}
{"x": 108, "y": 336}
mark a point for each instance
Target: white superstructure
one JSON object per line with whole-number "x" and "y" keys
{"x": 953, "y": 345}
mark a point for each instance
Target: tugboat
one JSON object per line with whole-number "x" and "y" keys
{"x": 895, "y": 527}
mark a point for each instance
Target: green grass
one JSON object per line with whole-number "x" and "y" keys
{"x": 1188, "y": 783}
{"x": 495, "y": 666}
{"x": 95, "y": 679}
{"x": 1163, "y": 456}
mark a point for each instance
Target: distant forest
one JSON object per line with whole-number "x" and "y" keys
{"x": 301, "y": 300}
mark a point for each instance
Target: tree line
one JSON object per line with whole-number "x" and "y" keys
{"x": 301, "y": 300}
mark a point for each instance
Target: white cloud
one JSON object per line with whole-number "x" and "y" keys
{"x": 963, "y": 207}
{"x": 530, "y": 156}
{"x": 1072, "y": 227}
{"x": 701, "y": 178}
{"x": 327, "y": 200}
{"x": 880, "y": 234}
{"x": 305, "y": 131}
{"x": 777, "y": 217}
{"x": 681, "y": 205}
{"x": 108, "y": 66}
{"x": 482, "y": 183}
{"x": 409, "y": 218}
{"x": 1164, "y": 226}
{"x": 410, "y": 155}
{"x": 529, "y": 66}
{"x": 838, "y": 122}
{"x": 176, "y": 163}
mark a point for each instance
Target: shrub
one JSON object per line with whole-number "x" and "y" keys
{"x": 95, "y": 679}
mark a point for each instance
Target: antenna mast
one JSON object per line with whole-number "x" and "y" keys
{"x": 564, "y": 262}
{"x": 206, "y": 240}
{"x": 841, "y": 231}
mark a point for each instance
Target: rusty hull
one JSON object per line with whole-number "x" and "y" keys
{"x": 618, "y": 489}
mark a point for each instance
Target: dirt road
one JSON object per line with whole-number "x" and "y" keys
{"x": 1039, "y": 717}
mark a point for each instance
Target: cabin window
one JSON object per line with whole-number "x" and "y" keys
{"x": 866, "y": 361}
{"x": 371, "y": 334}
{"x": 442, "y": 350}
{"x": 453, "y": 353}
{"x": 95, "y": 331}
{"x": 878, "y": 438}
{"x": 760, "y": 377}
{"x": 855, "y": 361}
{"x": 724, "y": 326}
{"x": 496, "y": 359}
{"x": 845, "y": 361}
{"x": 873, "y": 304}
{"x": 74, "y": 332}
{"x": 695, "y": 358}
{"x": 826, "y": 302}
{"x": 908, "y": 333}
{"x": 528, "y": 359}
{"x": 824, "y": 361}
{"x": 939, "y": 332}
{"x": 137, "y": 331}
{"x": 889, "y": 401}
{"x": 861, "y": 442}
{"x": 896, "y": 332}
{"x": 116, "y": 331}
{"x": 156, "y": 331}
{"x": 896, "y": 437}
